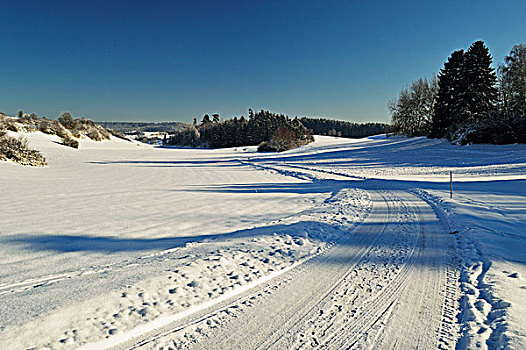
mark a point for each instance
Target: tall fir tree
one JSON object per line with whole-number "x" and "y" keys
{"x": 450, "y": 98}
{"x": 481, "y": 84}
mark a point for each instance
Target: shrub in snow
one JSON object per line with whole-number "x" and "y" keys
{"x": 65, "y": 127}
{"x": 66, "y": 120}
{"x": 18, "y": 151}
{"x": 90, "y": 129}
{"x": 283, "y": 140}
{"x": 29, "y": 122}
{"x": 96, "y": 135}
{"x": 8, "y": 123}
{"x": 49, "y": 127}
{"x": 118, "y": 134}
{"x": 70, "y": 142}
{"x": 54, "y": 127}
{"x": 189, "y": 136}
{"x": 493, "y": 131}
{"x": 265, "y": 147}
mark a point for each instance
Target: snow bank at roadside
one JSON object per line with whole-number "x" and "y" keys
{"x": 488, "y": 221}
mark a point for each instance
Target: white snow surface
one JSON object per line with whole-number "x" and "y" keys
{"x": 113, "y": 244}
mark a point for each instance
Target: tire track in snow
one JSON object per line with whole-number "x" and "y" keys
{"x": 379, "y": 305}
{"x": 356, "y": 303}
{"x": 481, "y": 315}
{"x": 420, "y": 312}
{"x": 289, "y": 329}
{"x": 31, "y": 283}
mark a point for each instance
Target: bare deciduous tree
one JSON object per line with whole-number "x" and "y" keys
{"x": 512, "y": 84}
{"x": 412, "y": 111}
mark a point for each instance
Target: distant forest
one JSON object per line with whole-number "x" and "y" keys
{"x": 272, "y": 132}
{"x": 320, "y": 126}
{"x": 468, "y": 102}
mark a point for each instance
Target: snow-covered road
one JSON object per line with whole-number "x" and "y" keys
{"x": 392, "y": 284}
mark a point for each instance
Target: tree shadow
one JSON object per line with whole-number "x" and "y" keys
{"x": 111, "y": 245}
{"x": 332, "y": 185}
{"x": 403, "y": 152}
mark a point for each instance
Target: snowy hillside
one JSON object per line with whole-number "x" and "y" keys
{"x": 338, "y": 243}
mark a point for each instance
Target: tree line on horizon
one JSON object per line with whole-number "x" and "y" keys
{"x": 331, "y": 127}
{"x": 272, "y": 132}
{"x": 468, "y": 102}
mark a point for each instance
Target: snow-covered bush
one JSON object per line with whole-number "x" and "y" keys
{"x": 17, "y": 150}
{"x": 282, "y": 140}
{"x": 66, "y": 120}
{"x": 118, "y": 134}
{"x": 90, "y": 129}
{"x": 188, "y": 137}
{"x": 70, "y": 142}
{"x": 66, "y": 127}
{"x": 7, "y": 123}
{"x": 495, "y": 130}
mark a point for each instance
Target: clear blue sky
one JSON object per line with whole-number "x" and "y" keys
{"x": 177, "y": 60}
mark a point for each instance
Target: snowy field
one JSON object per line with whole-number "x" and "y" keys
{"x": 341, "y": 243}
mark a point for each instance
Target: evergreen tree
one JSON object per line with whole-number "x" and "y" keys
{"x": 206, "y": 120}
{"x": 481, "y": 84}
{"x": 450, "y": 104}
{"x": 321, "y": 126}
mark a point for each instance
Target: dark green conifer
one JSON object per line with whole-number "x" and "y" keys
{"x": 450, "y": 104}
{"x": 481, "y": 84}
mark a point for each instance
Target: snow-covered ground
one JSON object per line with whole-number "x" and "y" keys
{"x": 120, "y": 240}
{"x": 487, "y": 215}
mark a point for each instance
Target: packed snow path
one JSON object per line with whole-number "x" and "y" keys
{"x": 391, "y": 284}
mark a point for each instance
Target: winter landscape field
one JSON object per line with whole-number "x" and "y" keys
{"x": 342, "y": 243}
